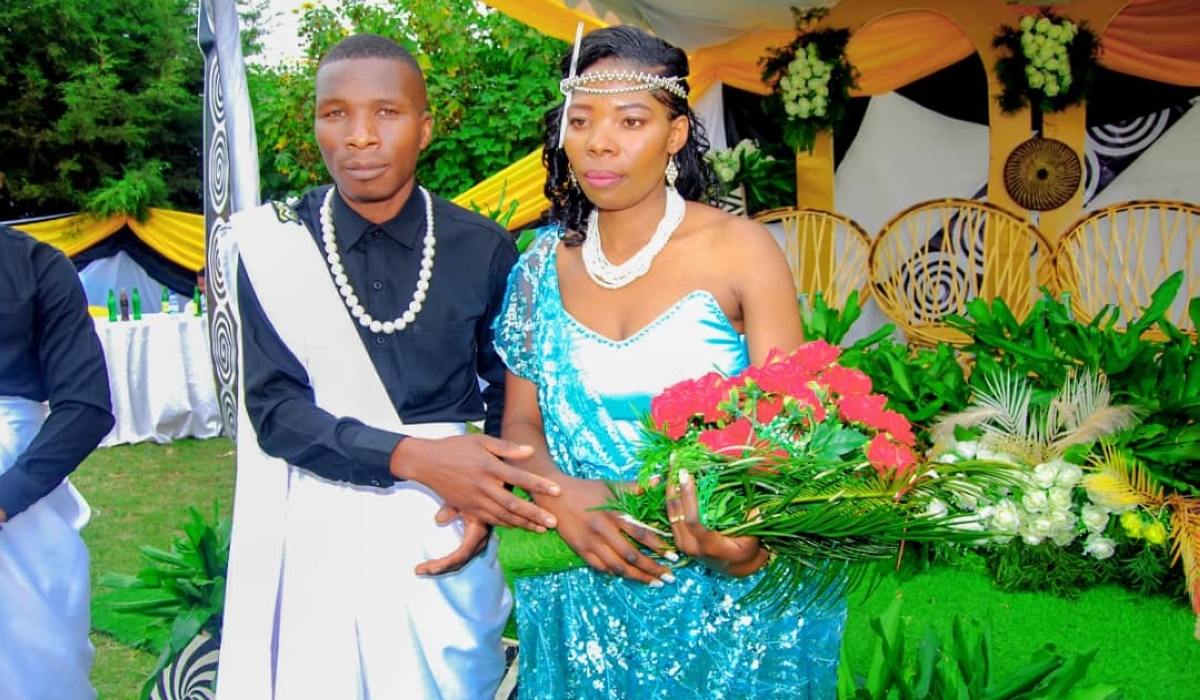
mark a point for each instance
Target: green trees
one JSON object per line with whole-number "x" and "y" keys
{"x": 490, "y": 80}
{"x": 101, "y": 100}
{"x": 99, "y": 106}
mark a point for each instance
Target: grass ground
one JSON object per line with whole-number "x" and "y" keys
{"x": 140, "y": 495}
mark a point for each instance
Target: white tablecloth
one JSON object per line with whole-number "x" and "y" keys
{"x": 161, "y": 377}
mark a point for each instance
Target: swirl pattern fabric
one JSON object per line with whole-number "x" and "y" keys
{"x": 586, "y": 635}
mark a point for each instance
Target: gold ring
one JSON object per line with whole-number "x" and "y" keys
{"x": 675, "y": 519}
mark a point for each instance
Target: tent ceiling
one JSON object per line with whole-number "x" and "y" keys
{"x": 692, "y": 24}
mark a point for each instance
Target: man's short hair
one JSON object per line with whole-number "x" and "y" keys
{"x": 370, "y": 46}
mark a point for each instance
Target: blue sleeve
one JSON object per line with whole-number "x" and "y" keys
{"x": 515, "y": 326}
{"x": 282, "y": 407}
{"x": 75, "y": 376}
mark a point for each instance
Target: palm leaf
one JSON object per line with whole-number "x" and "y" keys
{"x": 1185, "y": 537}
{"x": 1119, "y": 481}
{"x": 1010, "y": 397}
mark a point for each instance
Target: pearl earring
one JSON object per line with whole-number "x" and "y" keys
{"x": 672, "y": 172}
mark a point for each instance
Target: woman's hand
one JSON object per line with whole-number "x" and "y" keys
{"x": 733, "y": 556}
{"x": 599, "y": 536}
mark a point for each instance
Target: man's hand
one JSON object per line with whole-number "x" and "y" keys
{"x": 467, "y": 472}
{"x": 475, "y": 541}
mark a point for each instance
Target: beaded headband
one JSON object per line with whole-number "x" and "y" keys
{"x": 636, "y": 83}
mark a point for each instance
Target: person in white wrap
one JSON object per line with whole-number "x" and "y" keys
{"x": 362, "y": 562}
{"x": 54, "y": 409}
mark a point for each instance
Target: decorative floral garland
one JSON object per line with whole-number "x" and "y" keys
{"x": 1051, "y": 63}
{"x": 810, "y": 80}
{"x": 767, "y": 182}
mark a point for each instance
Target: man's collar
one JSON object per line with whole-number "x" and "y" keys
{"x": 404, "y": 228}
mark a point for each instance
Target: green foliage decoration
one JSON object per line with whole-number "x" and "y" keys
{"x": 178, "y": 593}
{"x": 810, "y": 80}
{"x": 962, "y": 668}
{"x": 1049, "y": 62}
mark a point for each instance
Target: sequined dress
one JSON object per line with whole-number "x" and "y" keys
{"x": 587, "y": 635}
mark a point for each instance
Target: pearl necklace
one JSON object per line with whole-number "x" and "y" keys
{"x": 343, "y": 282}
{"x": 611, "y": 276}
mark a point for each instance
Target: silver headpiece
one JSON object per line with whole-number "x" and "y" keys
{"x": 636, "y": 82}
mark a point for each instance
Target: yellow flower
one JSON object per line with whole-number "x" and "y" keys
{"x": 1132, "y": 522}
{"x": 1155, "y": 533}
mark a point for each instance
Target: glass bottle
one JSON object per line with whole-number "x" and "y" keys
{"x": 112, "y": 305}
{"x": 166, "y": 301}
{"x": 196, "y": 301}
{"x": 124, "y": 303}
{"x": 137, "y": 305}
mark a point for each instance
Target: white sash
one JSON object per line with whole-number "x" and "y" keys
{"x": 303, "y": 544}
{"x": 45, "y": 653}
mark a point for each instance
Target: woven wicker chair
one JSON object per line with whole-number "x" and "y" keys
{"x": 932, "y": 258}
{"x": 1120, "y": 254}
{"x": 826, "y": 251}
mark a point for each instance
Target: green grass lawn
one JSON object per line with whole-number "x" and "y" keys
{"x": 140, "y": 495}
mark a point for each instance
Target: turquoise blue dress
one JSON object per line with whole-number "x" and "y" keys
{"x": 584, "y": 634}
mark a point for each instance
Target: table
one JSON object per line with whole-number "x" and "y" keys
{"x": 161, "y": 378}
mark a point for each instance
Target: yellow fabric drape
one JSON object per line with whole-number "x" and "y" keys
{"x": 73, "y": 234}
{"x": 550, "y": 17}
{"x": 1155, "y": 39}
{"x": 177, "y": 236}
{"x": 889, "y": 53}
{"x": 899, "y": 49}
{"x": 523, "y": 181}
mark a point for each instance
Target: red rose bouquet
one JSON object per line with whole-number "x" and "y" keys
{"x": 800, "y": 453}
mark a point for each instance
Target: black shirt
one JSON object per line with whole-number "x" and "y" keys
{"x": 430, "y": 369}
{"x": 48, "y": 351}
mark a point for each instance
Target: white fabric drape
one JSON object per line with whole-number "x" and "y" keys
{"x": 330, "y": 564}
{"x": 45, "y": 653}
{"x": 161, "y": 379}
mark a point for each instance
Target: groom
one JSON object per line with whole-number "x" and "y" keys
{"x": 366, "y": 319}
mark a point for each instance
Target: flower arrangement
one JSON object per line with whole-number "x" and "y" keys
{"x": 766, "y": 181}
{"x": 1051, "y": 63}
{"x": 810, "y": 80}
{"x": 1077, "y": 516}
{"x": 800, "y": 453}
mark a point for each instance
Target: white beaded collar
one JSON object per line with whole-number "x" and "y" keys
{"x": 329, "y": 240}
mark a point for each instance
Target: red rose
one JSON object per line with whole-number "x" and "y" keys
{"x": 776, "y": 355}
{"x": 889, "y": 458}
{"x": 813, "y": 357}
{"x": 671, "y": 412}
{"x": 863, "y": 409}
{"x": 844, "y": 381}
{"x": 673, "y": 409}
{"x": 898, "y": 427}
{"x": 805, "y": 396}
{"x": 773, "y": 378}
{"x": 767, "y": 408}
{"x": 732, "y": 439}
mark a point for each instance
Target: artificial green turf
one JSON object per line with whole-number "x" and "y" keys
{"x": 1146, "y": 645}
{"x": 140, "y": 495}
